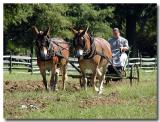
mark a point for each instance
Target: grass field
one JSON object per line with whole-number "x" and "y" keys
{"x": 25, "y": 98}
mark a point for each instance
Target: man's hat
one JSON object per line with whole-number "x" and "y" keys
{"x": 115, "y": 29}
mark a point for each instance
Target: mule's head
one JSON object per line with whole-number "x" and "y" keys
{"x": 42, "y": 41}
{"x": 81, "y": 42}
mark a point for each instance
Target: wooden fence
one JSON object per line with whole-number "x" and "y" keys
{"x": 28, "y": 64}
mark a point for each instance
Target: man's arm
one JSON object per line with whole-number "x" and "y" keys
{"x": 125, "y": 46}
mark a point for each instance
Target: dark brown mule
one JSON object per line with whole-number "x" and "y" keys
{"x": 88, "y": 58}
{"x": 46, "y": 50}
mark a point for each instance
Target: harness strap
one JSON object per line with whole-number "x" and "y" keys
{"x": 60, "y": 55}
{"x": 90, "y": 52}
{"x": 106, "y": 57}
{"x": 57, "y": 53}
{"x": 57, "y": 44}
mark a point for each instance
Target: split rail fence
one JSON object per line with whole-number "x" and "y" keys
{"x": 28, "y": 64}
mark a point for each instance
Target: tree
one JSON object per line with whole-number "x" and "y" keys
{"x": 15, "y": 15}
{"x": 58, "y": 16}
{"x": 134, "y": 20}
{"x": 130, "y": 15}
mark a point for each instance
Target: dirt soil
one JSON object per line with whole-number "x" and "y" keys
{"x": 16, "y": 108}
{"x": 22, "y": 86}
{"x": 26, "y": 86}
{"x": 110, "y": 99}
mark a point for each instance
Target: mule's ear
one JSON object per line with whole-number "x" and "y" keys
{"x": 85, "y": 31}
{"x": 73, "y": 30}
{"x": 47, "y": 32}
{"x": 35, "y": 30}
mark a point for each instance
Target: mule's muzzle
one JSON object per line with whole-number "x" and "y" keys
{"x": 44, "y": 55}
{"x": 79, "y": 54}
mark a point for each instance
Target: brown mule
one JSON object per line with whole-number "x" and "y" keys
{"x": 86, "y": 50}
{"x": 46, "y": 50}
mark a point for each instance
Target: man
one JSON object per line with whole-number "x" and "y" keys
{"x": 119, "y": 46}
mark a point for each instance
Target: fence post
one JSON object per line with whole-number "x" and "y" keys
{"x": 10, "y": 63}
{"x": 31, "y": 64}
{"x": 138, "y": 54}
{"x": 140, "y": 60}
{"x": 155, "y": 63}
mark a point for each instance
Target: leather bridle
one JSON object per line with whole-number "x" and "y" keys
{"x": 88, "y": 53}
{"x": 46, "y": 44}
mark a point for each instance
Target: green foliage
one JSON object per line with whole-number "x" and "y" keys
{"x": 18, "y": 19}
{"x": 100, "y": 18}
{"x": 142, "y": 34}
{"x": 12, "y": 47}
{"x": 15, "y": 14}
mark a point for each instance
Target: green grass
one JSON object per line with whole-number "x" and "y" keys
{"x": 128, "y": 102}
{"x": 21, "y": 77}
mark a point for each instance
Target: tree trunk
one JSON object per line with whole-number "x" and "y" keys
{"x": 4, "y": 43}
{"x": 131, "y": 32}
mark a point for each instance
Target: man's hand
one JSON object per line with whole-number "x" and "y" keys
{"x": 123, "y": 49}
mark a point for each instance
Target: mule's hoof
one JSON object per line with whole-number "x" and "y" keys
{"x": 100, "y": 92}
{"x": 64, "y": 89}
{"x": 54, "y": 89}
{"x": 96, "y": 89}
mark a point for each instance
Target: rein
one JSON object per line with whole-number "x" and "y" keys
{"x": 101, "y": 54}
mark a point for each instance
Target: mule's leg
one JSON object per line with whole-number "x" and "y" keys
{"x": 53, "y": 81}
{"x": 84, "y": 80}
{"x": 93, "y": 80}
{"x": 102, "y": 80}
{"x": 99, "y": 74}
{"x": 64, "y": 75}
{"x": 64, "y": 72}
{"x": 43, "y": 73}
